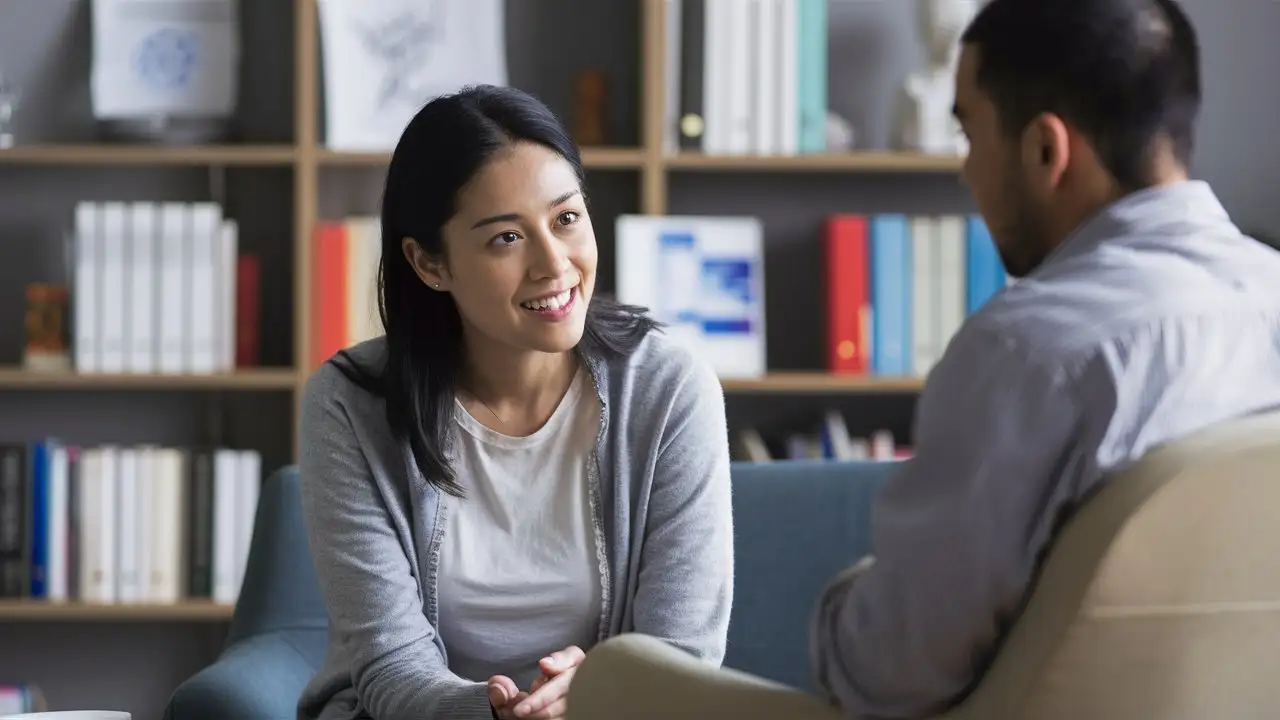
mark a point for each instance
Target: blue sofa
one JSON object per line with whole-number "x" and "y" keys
{"x": 797, "y": 523}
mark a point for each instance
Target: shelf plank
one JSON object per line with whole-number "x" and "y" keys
{"x": 861, "y": 162}
{"x": 74, "y": 611}
{"x": 123, "y": 154}
{"x": 818, "y": 382}
{"x": 592, "y": 158}
{"x": 264, "y": 379}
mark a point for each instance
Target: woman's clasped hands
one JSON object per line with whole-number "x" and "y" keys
{"x": 547, "y": 698}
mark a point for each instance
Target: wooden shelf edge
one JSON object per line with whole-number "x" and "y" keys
{"x": 125, "y": 154}
{"x": 265, "y": 379}
{"x": 818, "y": 382}
{"x": 833, "y": 162}
{"x": 592, "y": 158}
{"x": 71, "y": 611}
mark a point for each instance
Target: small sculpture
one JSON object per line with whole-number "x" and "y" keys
{"x": 928, "y": 96}
{"x": 840, "y": 134}
{"x": 10, "y": 95}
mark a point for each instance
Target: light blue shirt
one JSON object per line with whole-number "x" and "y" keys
{"x": 1156, "y": 318}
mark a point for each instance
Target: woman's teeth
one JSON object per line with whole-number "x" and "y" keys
{"x": 554, "y": 302}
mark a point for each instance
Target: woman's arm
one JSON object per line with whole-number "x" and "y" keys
{"x": 686, "y": 565}
{"x": 374, "y": 604}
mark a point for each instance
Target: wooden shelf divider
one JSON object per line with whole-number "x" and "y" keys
{"x": 592, "y": 158}
{"x": 263, "y": 379}
{"x": 821, "y": 382}
{"x": 125, "y": 155}
{"x": 855, "y": 162}
{"x": 24, "y": 610}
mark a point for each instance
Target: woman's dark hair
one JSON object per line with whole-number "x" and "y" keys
{"x": 442, "y": 147}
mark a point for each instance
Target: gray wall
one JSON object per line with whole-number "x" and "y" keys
{"x": 43, "y": 43}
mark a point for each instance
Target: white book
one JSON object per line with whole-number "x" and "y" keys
{"x": 142, "y": 355}
{"x": 88, "y": 326}
{"x": 144, "y": 481}
{"x": 226, "y": 484}
{"x": 766, "y": 75}
{"x": 924, "y": 295}
{"x": 787, "y": 29}
{"x": 364, "y": 250}
{"x": 173, "y": 283}
{"x": 249, "y": 484}
{"x": 130, "y": 573}
{"x": 98, "y": 511}
{"x": 58, "y": 569}
{"x": 225, "y": 277}
{"x": 741, "y": 120}
{"x": 168, "y": 485}
{"x": 115, "y": 232}
{"x": 715, "y": 72}
{"x": 952, "y": 272}
{"x": 202, "y": 254}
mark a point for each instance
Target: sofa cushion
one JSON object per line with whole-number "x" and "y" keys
{"x": 796, "y": 524}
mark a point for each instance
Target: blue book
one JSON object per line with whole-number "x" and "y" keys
{"x": 811, "y": 81}
{"x": 891, "y": 294}
{"x": 986, "y": 273}
{"x": 40, "y": 511}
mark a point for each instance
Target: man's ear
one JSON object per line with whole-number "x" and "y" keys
{"x": 1046, "y": 148}
{"x": 428, "y": 269}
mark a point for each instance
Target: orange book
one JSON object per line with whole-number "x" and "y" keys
{"x": 848, "y": 295}
{"x": 328, "y": 291}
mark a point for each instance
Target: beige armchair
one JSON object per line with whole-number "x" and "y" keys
{"x": 1160, "y": 599}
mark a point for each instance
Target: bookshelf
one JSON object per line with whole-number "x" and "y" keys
{"x": 278, "y": 180}
{"x": 308, "y": 161}
{"x": 291, "y": 153}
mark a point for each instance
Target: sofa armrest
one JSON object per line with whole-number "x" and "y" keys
{"x": 258, "y": 678}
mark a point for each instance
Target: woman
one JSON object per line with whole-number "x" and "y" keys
{"x": 519, "y": 468}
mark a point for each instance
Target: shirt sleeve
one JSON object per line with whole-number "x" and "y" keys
{"x": 375, "y": 607}
{"x": 685, "y": 588}
{"x": 956, "y": 535}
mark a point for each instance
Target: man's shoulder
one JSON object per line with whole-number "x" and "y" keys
{"x": 1032, "y": 322}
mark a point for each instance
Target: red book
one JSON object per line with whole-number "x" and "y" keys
{"x": 848, "y": 295}
{"x": 328, "y": 291}
{"x": 248, "y": 302}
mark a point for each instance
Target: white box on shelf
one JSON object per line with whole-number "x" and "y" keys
{"x": 703, "y": 278}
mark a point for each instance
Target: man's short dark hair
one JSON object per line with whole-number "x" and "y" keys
{"x": 1122, "y": 72}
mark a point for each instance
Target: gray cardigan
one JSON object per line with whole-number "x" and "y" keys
{"x": 660, "y": 497}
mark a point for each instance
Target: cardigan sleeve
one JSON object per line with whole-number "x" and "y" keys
{"x": 685, "y": 584}
{"x": 375, "y": 607}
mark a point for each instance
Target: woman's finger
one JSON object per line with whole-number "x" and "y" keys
{"x": 549, "y": 693}
{"x": 498, "y": 696}
{"x": 562, "y": 660}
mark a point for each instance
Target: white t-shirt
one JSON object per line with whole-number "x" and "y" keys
{"x": 518, "y": 575}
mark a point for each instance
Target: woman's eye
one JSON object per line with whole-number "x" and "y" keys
{"x": 568, "y": 217}
{"x": 506, "y": 238}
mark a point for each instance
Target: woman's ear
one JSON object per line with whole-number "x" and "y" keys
{"x": 429, "y": 270}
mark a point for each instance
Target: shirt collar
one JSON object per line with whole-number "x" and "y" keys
{"x": 1186, "y": 203}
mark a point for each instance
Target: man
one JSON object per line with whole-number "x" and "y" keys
{"x": 1141, "y": 313}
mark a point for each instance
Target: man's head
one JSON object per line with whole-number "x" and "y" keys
{"x": 1068, "y": 105}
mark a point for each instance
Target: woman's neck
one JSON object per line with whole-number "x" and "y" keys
{"x": 515, "y": 392}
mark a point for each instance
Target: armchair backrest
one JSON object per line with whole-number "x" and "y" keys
{"x": 280, "y": 589}
{"x": 1160, "y": 597}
